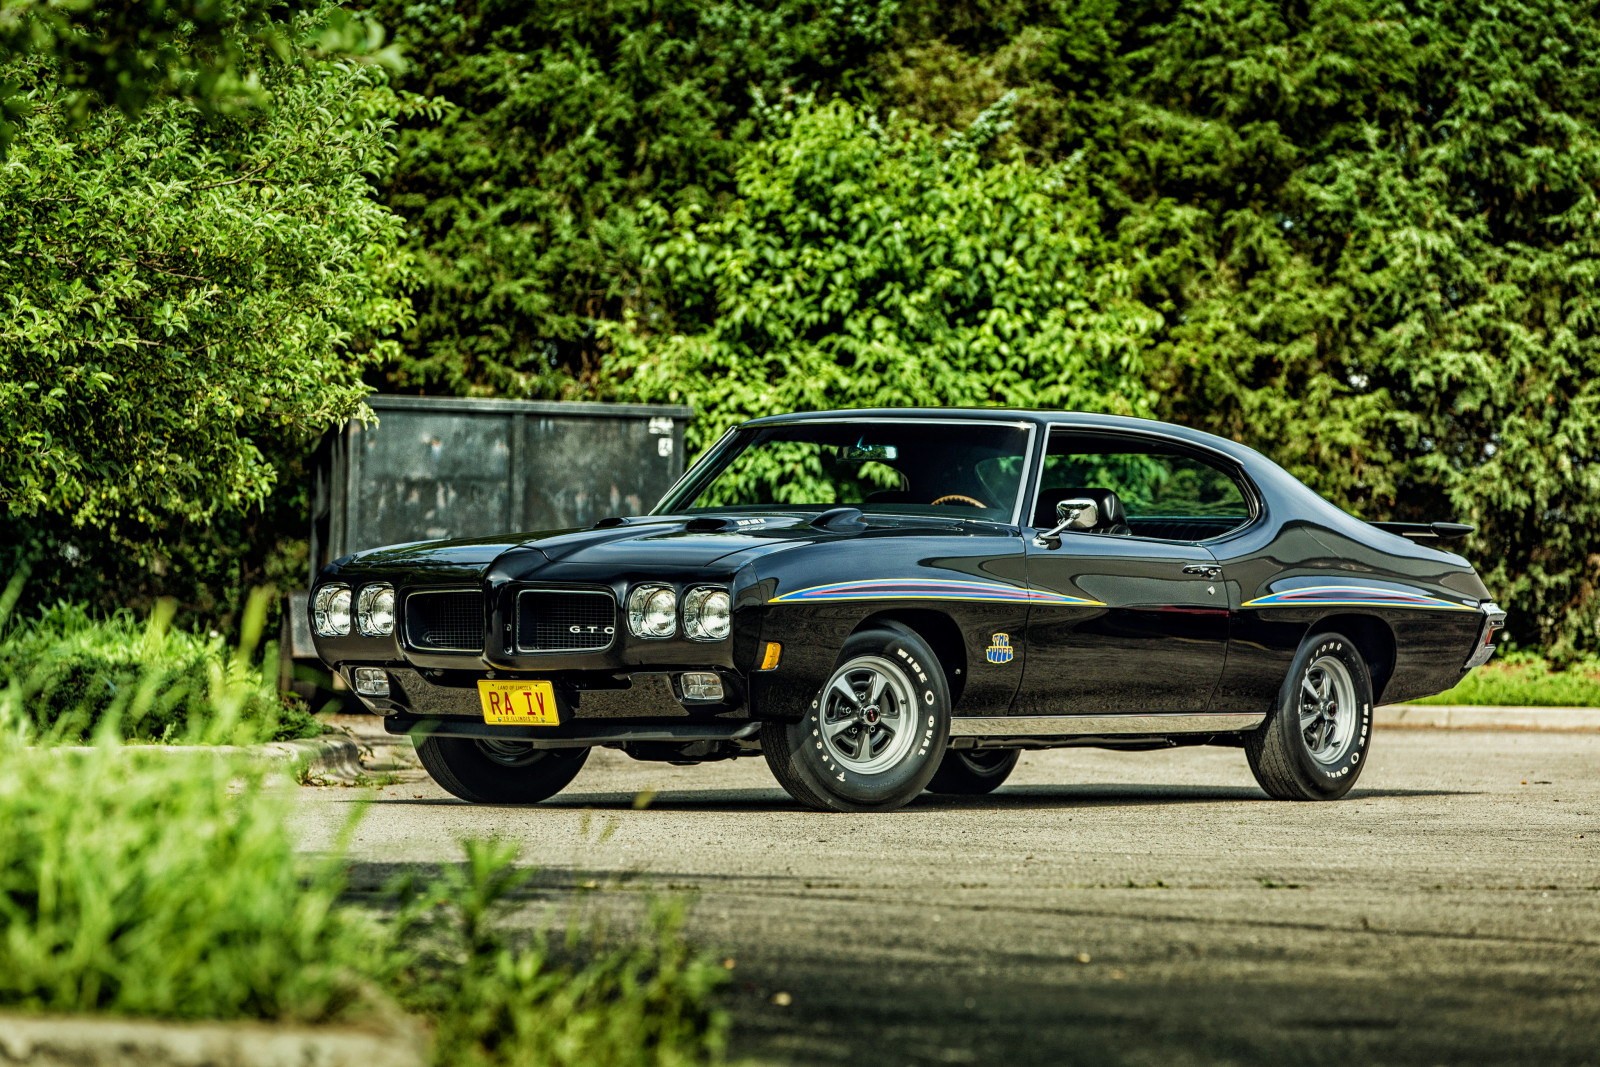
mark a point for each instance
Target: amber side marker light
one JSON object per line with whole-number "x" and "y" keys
{"x": 770, "y": 660}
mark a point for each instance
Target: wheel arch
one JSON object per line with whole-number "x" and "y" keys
{"x": 941, "y": 633}
{"x": 1373, "y": 637}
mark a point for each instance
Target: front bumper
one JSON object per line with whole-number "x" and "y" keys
{"x": 1494, "y": 619}
{"x": 581, "y": 696}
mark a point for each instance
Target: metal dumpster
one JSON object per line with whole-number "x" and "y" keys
{"x": 436, "y": 467}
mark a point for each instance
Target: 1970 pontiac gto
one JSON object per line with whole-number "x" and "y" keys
{"x": 882, "y": 602}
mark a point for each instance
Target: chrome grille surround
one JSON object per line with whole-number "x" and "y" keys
{"x": 566, "y": 620}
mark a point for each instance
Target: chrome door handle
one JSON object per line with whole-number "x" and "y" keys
{"x": 1209, "y": 571}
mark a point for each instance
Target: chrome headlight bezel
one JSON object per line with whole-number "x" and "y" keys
{"x": 375, "y": 610}
{"x": 707, "y": 613}
{"x": 645, "y": 607}
{"x": 330, "y": 610}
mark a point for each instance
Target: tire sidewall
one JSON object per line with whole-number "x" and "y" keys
{"x": 849, "y": 790}
{"x": 458, "y": 765}
{"x": 1329, "y": 780}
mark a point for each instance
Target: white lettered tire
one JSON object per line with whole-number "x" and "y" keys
{"x": 1314, "y": 743}
{"x": 874, "y": 736}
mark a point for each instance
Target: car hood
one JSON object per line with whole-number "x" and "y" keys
{"x": 673, "y": 541}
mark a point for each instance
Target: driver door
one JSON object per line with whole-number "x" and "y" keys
{"x": 1130, "y": 616}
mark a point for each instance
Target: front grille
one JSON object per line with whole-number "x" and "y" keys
{"x": 445, "y": 622}
{"x": 566, "y": 621}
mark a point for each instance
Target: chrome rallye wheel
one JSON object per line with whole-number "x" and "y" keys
{"x": 874, "y": 735}
{"x": 1313, "y": 745}
{"x": 499, "y": 772}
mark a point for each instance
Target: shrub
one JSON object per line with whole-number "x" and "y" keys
{"x": 72, "y": 675}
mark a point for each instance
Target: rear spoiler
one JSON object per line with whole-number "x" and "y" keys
{"x": 1426, "y": 531}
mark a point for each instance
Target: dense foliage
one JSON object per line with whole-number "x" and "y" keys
{"x": 75, "y": 677}
{"x": 524, "y": 198}
{"x": 175, "y": 284}
{"x": 1358, "y": 234}
{"x": 864, "y": 265}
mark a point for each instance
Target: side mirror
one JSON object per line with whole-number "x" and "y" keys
{"x": 1078, "y": 514}
{"x": 1075, "y": 514}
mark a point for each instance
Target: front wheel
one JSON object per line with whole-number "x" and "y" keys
{"x": 499, "y": 772}
{"x": 874, "y": 735}
{"x": 1314, "y": 743}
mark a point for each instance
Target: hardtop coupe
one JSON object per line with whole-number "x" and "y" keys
{"x": 885, "y": 601}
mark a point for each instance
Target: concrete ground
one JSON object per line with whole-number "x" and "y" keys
{"x": 1101, "y": 908}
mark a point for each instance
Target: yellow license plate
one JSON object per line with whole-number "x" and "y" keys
{"x": 522, "y": 703}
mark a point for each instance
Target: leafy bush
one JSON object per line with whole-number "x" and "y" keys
{"x": 867, "y": 265}
{"x": 1527, "y": 680}
{"x": 148, "y": 886}
{"x": 179, "y": 285}
{"x": 73, "y": 676}
{"x": 523, "y": 198}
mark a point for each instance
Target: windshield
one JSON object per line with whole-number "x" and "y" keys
{"x": 961, "y": 469}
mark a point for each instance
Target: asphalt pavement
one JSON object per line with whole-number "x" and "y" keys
{"x": 1101, "y": 908}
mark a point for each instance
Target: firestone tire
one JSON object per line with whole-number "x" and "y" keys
{"x": 875, "y": 733}
{"x": 1315, "y": 742}
{"x": 499, "y": 772}
{"x": 973, "y": 771}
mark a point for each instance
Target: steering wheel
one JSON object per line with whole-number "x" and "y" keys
{"x": 960, "y": 498}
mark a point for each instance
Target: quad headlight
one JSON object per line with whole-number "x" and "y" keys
{"x": 375, "y": 609}
{"x": 330, "y": 611}
{"x": 652, "y": 611}
{"x": 707, "y": 614}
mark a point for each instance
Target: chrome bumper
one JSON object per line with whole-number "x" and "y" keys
{"x": 1493, "y": 620}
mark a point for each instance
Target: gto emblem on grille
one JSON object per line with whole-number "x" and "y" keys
{"x": 591, "y": 629}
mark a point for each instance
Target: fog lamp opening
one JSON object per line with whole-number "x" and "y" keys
{"x": 701, "y": 685}
{"x": 371, "y": 681}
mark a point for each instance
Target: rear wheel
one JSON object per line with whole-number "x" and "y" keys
{"x": 973, "y": 771}
{"x": 499, "y": 772}
{"x": 1314, "y": 743}
{"x": 874, "y": 735}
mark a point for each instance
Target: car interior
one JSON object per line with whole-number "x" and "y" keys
{"x": 1140, "y": 489}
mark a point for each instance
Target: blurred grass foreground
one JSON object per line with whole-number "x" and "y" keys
{"x": 136, "y": 884}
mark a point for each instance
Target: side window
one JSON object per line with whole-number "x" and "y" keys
{"x": 1144, "y": 490}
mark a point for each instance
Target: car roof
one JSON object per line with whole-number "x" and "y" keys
{"x": 1078, "y": 420}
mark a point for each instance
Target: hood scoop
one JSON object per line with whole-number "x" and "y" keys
{"x": 711, "y": 524}
{"x": 840, "y": 520}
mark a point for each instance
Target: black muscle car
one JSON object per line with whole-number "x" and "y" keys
{"x": 882, "y": 602}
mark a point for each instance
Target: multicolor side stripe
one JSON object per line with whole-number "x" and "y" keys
{"x": 1353, "y": 595}
{"x": 928, "y": 589}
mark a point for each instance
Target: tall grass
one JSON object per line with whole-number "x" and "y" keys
{"x": 134, "y": 882}
{"x": 72, "y": 677}
{"x": 142, "y": 885}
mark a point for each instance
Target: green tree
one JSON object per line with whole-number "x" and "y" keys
{"x": 178, "y": 287}
{"x": 522, "y": 200}
{"x": 128, "y": 54}
{"x": 1373, "y": 229}
{"x": 1369, "y": 227}
{"x": 875, "y": 265}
